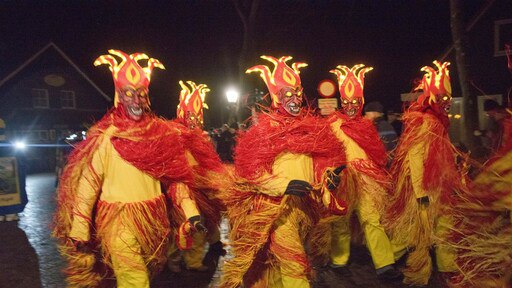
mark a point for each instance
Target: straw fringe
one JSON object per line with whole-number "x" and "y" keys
{"x": 482, "y": 234}
{"x": 250, "y": 231}
{"x": 146, "y": 220}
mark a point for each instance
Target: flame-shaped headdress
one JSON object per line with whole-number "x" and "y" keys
{"x": 434, "y": 83}
{"x": 192, "y": 99}
{"x": 282, "y": 76}
{"x": 351, "y": 81}
{"x": 128, "y": 73}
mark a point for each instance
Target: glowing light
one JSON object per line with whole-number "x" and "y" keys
{"x": 232, "y": 95}
{"x": 20, "y": 145}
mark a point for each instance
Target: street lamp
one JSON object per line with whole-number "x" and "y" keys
{"x": 232, "y": 95}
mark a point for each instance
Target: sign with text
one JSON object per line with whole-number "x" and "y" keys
{"x": 327, "y": 105}
{"x": 9, "y": 185}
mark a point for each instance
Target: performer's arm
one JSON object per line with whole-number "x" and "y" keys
{"x": 183, "y": 200}
{"x": 87, "y": 193}
{"x": 416, "y": 157}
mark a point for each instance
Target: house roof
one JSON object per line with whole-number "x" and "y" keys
{"x": 61, "y": 53}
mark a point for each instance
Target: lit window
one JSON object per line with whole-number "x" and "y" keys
{"x": 35, "y": 135}
{"x": 67, "y": 99}
{"x": 40, "y": 98}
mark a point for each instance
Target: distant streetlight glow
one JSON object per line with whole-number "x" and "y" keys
{"x": 232, "y": 95}
{"x": 20, "y": 145}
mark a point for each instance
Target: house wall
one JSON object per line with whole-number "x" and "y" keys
{"x": 41, "y": 128}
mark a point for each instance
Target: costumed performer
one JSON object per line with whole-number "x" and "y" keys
{"x": 206, "y": 163}
{"x": 365, "y": 181}
{"x": 482, "y": 233}
{"x": 286, "y": 165}
{"x": 112, "y": 215}
{"x": 427, "y": 178}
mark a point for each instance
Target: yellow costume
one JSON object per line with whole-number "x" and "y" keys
{"x": 279, "y": 166}
{"x": 190, "y": 115}
{"x": 426, "y": 178}
{"x": 365, "y": 181}
{"x": 366, "y": 199}
{"x": 112, "y": 216}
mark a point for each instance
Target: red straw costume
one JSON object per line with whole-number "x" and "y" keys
{"x": 208, "y": 167}
{"x": 365, "y": 181}
{"x": 482, "y": 235}
{"x": 112, "y": 215}
{"x": 280, "y": 153}
{"x": 483, "y": 230}
{"x": 426, "y": 178}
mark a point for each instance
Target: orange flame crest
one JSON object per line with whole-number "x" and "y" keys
{"x": 282, "y": 75}
{"x": 128, "y": 72}
{"x": 351, "y": 81}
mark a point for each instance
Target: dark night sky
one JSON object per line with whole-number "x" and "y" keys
{"x": 201, "y": 40}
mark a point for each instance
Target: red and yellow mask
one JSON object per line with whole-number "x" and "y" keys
{"x": 437, "y": 90}
{"x": 351, "y": 85}
{"x": 190, "y": 108}
{"x": 131, "y": 81}
{"x": 283, "y": 83}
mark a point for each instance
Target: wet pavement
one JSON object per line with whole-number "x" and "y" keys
{"x": 29, "y": 256}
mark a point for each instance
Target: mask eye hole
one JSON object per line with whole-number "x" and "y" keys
{"x": 129, "y": 93}
{"x": 143, "y": 94}
{"x": 354, "y": 101}
{"x": 299, "y": 93}
{"x": 446, "y": 98}
{"x": 288, "y": 94}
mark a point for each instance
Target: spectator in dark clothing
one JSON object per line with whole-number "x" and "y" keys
{"x": 396, "y": 122}
{"x": 503, "y": 117}
{"x": 225, "y": 141}
{"x": 375, "y": 112}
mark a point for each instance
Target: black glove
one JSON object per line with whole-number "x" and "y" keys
{"x": 81, "y": 246}
{"x": 197, "y": 223}
{"x": 333, "y": 179}
{"x": 298, "y": 188}
{"x": 423, "y": 202}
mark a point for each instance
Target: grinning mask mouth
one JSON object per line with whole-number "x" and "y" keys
{"x": 351, "y": 108}
{"x": 291, "y": 100}
{"x": 135, "y": 102}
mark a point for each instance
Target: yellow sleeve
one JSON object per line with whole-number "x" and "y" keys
{"x": 416, "y": 160}
{"x": 190, "y": 159}
{"x": 88, "y": 190}
{"x": 184, "y": 201}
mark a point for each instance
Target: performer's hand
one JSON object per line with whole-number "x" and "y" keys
{"x": 197, "y": 223}
{"x": 80, "y": 245}
{"x": 298, "y": 188}
{"x": 423, "y": 202}
{"x": 333, "y": 178}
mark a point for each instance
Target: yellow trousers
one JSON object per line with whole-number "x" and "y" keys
{"x": 445, "y": 255}
{"x": 287, "y": 248}
{"x": 377, "y": 240}
{"x": 128, "y": 263}
{"x": 193, "y": 257}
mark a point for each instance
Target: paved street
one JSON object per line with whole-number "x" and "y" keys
{"x": 29, "y": 257}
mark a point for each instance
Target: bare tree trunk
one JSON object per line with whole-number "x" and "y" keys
{"x": 470, "y": 119}
{"x": 247, "y": 11}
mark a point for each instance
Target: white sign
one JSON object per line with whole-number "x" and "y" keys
{"x": 327, "y": 105}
